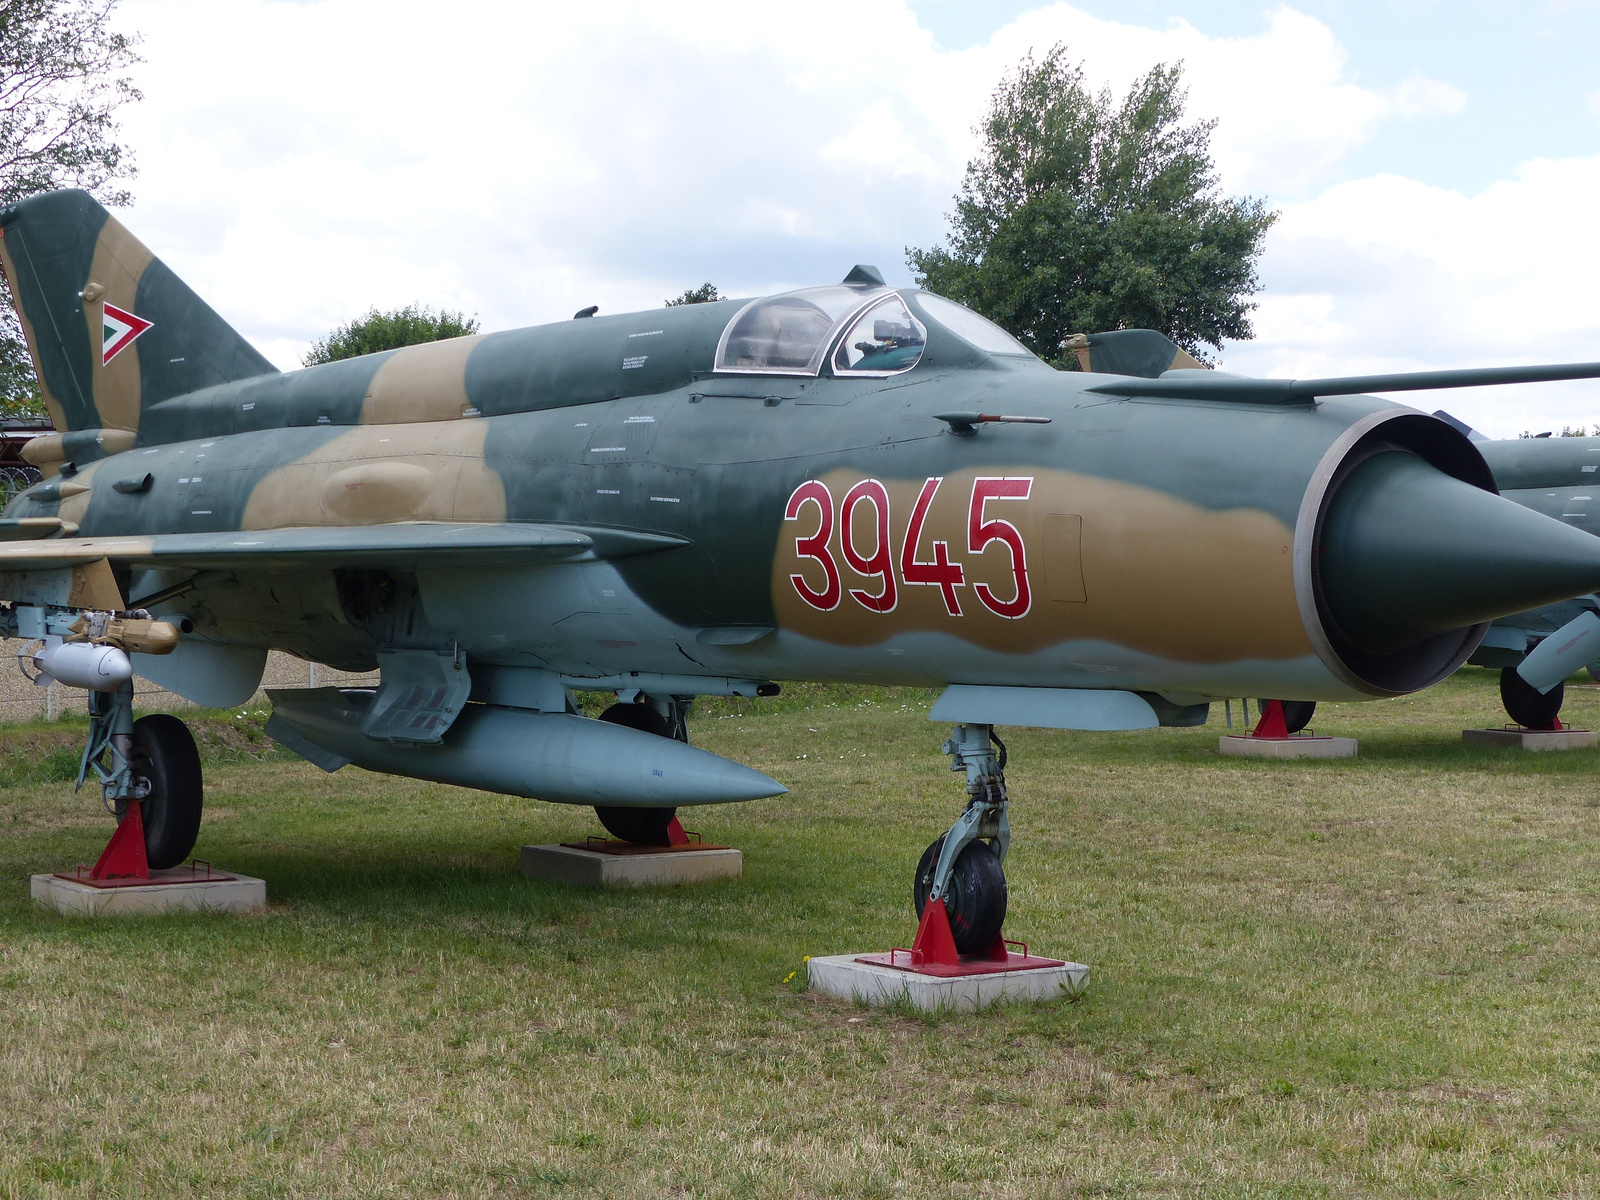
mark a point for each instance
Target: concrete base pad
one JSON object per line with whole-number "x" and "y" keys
{"x": 236, "y": 894}
{"x": 1289, "y": 747}
{"x": 1531, "y": 739}
{"x": 590, "y": 868}
{"x": 842, "y": 976}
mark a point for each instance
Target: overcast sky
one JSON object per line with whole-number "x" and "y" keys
{"x": 1436, "y": 165}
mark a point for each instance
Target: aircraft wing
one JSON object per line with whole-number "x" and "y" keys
{"x": 400, "y": 545}
{"x": 1241, "y": 389}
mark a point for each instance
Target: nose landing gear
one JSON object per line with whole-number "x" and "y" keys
{"x": 960, "y": 886}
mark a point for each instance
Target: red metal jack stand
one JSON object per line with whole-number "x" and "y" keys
{"x": 676, "y": 835}
{"x": 123, "y": 857}
{"x": 934, "y": 952}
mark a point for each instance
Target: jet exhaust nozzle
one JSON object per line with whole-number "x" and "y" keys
{"x": 1408, "y": 553}
{"x": 560, "y": 757}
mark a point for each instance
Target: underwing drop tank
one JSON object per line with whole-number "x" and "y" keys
{"x": 560, "y": 757}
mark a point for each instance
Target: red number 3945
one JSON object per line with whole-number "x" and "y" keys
{"x": 876, "y": 560}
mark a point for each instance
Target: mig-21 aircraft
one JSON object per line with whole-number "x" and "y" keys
{"x": 852, "y": 483}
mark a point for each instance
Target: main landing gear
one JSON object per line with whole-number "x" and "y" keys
{"x": 1526, "y": 706}
{"x": 1295, "y": 716}
{"x": 960, "y": 885}
{"x": 641, "y": 825}
{"x": 149, "y": 774}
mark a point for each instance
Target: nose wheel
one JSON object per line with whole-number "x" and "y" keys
{"x": 960, "y": 884}
{"x": 974, "y": 897}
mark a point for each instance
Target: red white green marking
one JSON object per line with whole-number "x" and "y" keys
{"x": 119, "y": 328}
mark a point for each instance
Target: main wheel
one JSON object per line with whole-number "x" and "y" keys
{"x": 1297, "y": 714}
{"x": 629, "y": 823}
{"x": 976, "y": 899}
{"x": 164, "y": 754}
{"x": 1524, "y": 705}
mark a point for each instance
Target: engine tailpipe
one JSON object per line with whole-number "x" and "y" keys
{"x": 559, "y": 757}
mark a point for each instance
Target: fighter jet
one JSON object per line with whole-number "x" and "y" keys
{"x": 850, "y": 482}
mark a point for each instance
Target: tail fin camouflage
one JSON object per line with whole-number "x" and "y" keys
{"x": 110, "y": 327}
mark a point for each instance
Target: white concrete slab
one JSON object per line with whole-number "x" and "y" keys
{"x": 241, "y": 894}
{"x": 842, "y": 976}
{"x": 663, "y": 868}
{"x": 1531, "y": 739}
{"x": 1289, "y": 747}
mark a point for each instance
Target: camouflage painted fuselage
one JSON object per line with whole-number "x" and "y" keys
{"x": 1157, "y": 536}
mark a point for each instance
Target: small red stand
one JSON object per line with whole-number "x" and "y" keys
{"x": 934, "y": 952}
{"x": 124, "y": 857}
{"x": 675, "y": 833}
{"x": 1272, "y": 723}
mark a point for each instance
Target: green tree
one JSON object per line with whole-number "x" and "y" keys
{"x": 408, "y": 326}
{"x": 1081, "y": 214}
{"x": 60, "y": 89}
{"x": 704, "y": 294}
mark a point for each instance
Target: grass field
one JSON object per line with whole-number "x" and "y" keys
{"x": 1373, "y": 977}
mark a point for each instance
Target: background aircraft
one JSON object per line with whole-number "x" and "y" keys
{"x": 849, "y": 483}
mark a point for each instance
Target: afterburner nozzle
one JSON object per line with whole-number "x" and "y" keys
{"x": 1407, "y": 552}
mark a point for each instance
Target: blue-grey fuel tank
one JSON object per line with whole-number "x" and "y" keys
{"x": 559, "y": 757}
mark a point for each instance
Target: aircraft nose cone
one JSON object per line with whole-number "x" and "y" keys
{"x": 1408, "y": 551}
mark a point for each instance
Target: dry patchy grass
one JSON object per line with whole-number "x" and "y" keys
{"x": 1311, "y": 979}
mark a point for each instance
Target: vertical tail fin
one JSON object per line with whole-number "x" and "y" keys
{"x": 110, "y": 327}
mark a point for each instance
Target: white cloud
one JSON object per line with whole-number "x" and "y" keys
{"x": 1387, "y": 274}
{"x": 521, "y": 161}
{"x": 303, "y": 161}
{"x": 1420, "y": 96}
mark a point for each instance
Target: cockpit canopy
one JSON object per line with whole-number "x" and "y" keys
{"x": 791, "y": 333}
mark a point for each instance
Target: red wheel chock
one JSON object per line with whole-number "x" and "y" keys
{"x": 124, "y": 857}
{"x": 1272, "y": 723}
{"x": 934, "y": 942}
{"x": 934, "y": 952}
{"x": 676, "y": 836}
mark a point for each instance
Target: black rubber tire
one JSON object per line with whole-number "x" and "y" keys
{"x": 1296, "y": 714}
{"x": 976, "y": 902}
{"x": 164, "y": 753}
{"x": 628, "y": 823}
{"x": 1526, "y": 706}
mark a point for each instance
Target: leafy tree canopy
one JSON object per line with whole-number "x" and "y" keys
{"x": 1081, "y": 214}
{"x": 408, "y": 326}
{"x": 60, "y": 88}
{"x": 704, "y": 294}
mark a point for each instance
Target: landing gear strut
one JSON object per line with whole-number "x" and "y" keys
{"x": 960, "y": 886}
{"x": 149, "y": 774}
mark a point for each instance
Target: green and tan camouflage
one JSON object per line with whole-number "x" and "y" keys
{"x": 821, "y": 485}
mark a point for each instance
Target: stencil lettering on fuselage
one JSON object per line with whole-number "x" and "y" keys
{"x": 1016, "y": 561}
